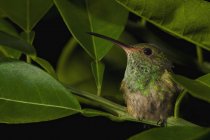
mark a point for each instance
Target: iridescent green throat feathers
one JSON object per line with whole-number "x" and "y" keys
{"x": 148, "y": 89}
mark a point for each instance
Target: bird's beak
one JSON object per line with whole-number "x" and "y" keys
{"x": 116, "y": 42}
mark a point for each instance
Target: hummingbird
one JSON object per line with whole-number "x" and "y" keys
{"x": 148, "y": 89}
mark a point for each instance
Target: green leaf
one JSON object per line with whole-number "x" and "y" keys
{"x": 8, "y": 52}
{"x": 174, "y": 133}
{"x": 6, "y": 27}
{"x": 63, "y": 66}
{"x": 28, "y": 94}
{"x": 73, "y": 67}
{"x": 104, "y": 17}
{"x": 46, "y": 65}
{"x": 98, "y": 72}
{"x": 2, "y": 14}
{"x": 67, "y": 52}
{"x": 25, "y": 13}
{"x": 199, "y": 88}
{"x": 172, "y": 121}
{"x": 16, "y": 43}
{"x": 185, "y": 19}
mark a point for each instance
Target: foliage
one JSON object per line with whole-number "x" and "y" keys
{"x": 33, "y": 87}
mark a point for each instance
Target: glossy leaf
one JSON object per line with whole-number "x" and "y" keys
{"x": 16, "y": 43}
{"x": 184, "y": 19}
{"x": 25, "y": 13}
{"x": 104, "y": 16}
{"x": 174, "y": 133}
{"x": 28, "y": 94}
{"x": 98, "y": 72}
{"x": 46, "y": 65}
{"x": 199, "y": 88}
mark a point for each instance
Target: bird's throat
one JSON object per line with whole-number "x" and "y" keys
{"x": 140, "y": 77}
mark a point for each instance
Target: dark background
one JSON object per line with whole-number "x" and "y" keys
{"x": 51, "y": 35}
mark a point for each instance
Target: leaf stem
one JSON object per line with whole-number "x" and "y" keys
{"x": 199, "y": 55}
{"x": 177, "y": 104}
{"x": 98, "y": 84}
{"x": 142, "y": 23}
{"x": 98, "y": 72}
{"x": 98, "y": 90}
{"x": 98, "y": 99}
{"x": 28, "y": 59}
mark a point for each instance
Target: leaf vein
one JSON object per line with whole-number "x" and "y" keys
{"x": 91, "y": 28}
{"x": 40, "y": 104}
{"x": 27, "y": 15}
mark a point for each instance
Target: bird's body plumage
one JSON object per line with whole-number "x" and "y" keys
{"x": 157, "y": 104}
{"x": 148, "y": 88}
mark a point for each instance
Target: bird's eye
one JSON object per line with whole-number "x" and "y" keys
{"x": 147, "y": 51}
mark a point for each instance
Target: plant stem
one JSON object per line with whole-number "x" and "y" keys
{"x": 177, "y": 104}
{"x": 98, "y": 72}
{"x": 99, "y": 90}
{"x": 98, "y": 84}
{"x": 98, "y": 99}
{"x": 199, "y": 55}
{"x": 142, "y": 23}
{"x": 28, "y": 59}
